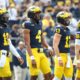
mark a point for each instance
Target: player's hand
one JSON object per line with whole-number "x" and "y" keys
{"x": 50, "y": 51}
{"x": 20, "y": 60}
{"x": 60, "y": 61}
{"x": 34, "y": 65}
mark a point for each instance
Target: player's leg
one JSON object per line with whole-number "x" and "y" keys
{"x": 68, "y": 72}
{"x": 0, "y": 78}
{"x": 33, "y": 77}
{"x": 45, "y": 66}
{"x": 34, "y": 71}
{"x": 5, "y": 72}
{"x": 77, "y": 78}
{"x": 77, "y": 74}
{"x": 47, "y": 76}
{"x": 59, "y": 70}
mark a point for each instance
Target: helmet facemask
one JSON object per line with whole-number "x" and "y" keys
{"x": 67, "y": 21}
{"x": 37, "y": 16}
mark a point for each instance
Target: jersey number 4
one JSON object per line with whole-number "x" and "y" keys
{"x": 5, "y": 37}
{"x": 38, "y": 36}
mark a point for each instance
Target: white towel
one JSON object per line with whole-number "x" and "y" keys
{"x": 3, "y": 58}
{"x": 75, "y": 61}
{"x": 68, "y": 61}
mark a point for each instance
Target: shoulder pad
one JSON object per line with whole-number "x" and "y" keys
{"x": 26, "y": 23}
{"x": 58, "y": 30}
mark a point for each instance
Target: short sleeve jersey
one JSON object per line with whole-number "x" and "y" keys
{"x": 64, "y": 45}
{"x": 4, "y": 35}
{"x": 35, "y": 33}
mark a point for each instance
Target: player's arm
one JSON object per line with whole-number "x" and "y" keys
{"x": 26, "y": 35}
{"x": 56, "y": 41}
{"x": 45, "y": 44}
{"x": 77, "y": 45}
{"x": 27, "y": 41}
{"x": 28, "y": 47}
{"x": 77, "y": 49}
{"x": 14, "y": 52}
{"x": 77, "y": 52}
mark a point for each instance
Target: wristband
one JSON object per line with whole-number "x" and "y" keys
{"x": 32, "y": 57}
{"x": 49, "y": 48}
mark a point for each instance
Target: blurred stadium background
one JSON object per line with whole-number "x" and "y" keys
{"x": 17, "y": 10}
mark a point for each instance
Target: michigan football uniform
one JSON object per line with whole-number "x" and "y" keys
{"x": 64, "y": 49}
{"x": 4, "y": 45}
{"x": 77, "y": 42}
{"x": 37, "y": 50}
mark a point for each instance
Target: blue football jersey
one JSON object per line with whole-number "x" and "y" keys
{"x": 64, "y": 45}
{"x": 35, "y": 33}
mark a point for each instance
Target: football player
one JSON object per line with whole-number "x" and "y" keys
{"x": 5, "y": 47}
{"x": 34, "y": 40}
{"x": 61, "y": 45}
{"x": 77, "y": 51}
